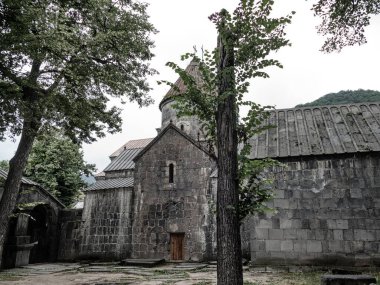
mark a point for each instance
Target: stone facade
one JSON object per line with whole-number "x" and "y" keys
{"x": 181, "y": 206}
{"x": 327, "y": 211}
{"x": 70, "y": 221}
{"x": 106, "y": 229}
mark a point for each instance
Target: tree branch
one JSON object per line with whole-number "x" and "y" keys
{"x": 11, "y": 76}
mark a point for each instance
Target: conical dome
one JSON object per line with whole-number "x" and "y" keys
{"x": 193, "y": 70}
{"x": 189, "y": 124}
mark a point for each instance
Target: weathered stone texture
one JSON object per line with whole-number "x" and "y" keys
{"x": 191, "y": 125}
{"x": 327, "y": 211}
{"x": 162, "y": 208}
{"x": 70, "y": 221}
{"x": 106, "y": 231}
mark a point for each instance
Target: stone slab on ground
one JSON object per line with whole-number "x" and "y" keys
{"x": 142, "y": 262}
{"x": 190, "y": 266}
{"x": 347, "y": 280}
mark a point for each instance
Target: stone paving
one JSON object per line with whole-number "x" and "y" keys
{"x": 167, "y": 274}
{"x": 112, "y": 274}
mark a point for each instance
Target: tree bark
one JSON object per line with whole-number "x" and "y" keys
{"x": 229, "y": 254}
{"x": 13, "y": 181}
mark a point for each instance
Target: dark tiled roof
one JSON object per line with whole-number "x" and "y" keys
{"x": 24, "y": 180}
{"x": 124, "y": 160}
{"x": 193, "y": 70}
{"x": 27, "y": 181}
{"x": 141, "y": 143}
{"x": 331, "y": 129}
{"x": 111, "y": 184}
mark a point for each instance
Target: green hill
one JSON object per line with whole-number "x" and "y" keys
{"x": 345, "y": 97}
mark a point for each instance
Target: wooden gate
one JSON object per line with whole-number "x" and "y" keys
{"x": 176, "y": 246}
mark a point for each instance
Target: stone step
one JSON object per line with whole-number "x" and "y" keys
{"x": 142, "y": 262}
{"x": 347, "y": 280}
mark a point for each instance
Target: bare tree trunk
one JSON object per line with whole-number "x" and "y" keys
{"x": 228, "y": 227}
{"x": 13, "y": 181}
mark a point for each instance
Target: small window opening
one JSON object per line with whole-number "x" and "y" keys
{"x": 171, "y": 173}
{"x": 182, "y": 127}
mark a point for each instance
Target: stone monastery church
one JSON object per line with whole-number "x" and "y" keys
{"x": 156, "y": 197}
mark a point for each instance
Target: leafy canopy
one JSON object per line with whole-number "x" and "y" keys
{"x": 60, "y": 59}
{"x": 344, "y": 21}
{"x": 57, "y": 164}
{"x": 4, "y": 165}
{"x": 345, "y": 97}
{"x": 255, "y": 36}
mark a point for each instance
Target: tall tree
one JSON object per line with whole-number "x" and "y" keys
{"x": 344, "y": 21}
{"x": 246, "y": 38}
{"x": 57, "y": 164}
{"x": 59, "y": 62}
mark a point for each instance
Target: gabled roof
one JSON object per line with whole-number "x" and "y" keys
{"x": 193, "y": 70}
{"x": 162, "y": 133}
{"x": 26, "y": 181}
{"x": 333, "y": 129}
{"x": 132, "y": 144}
{"x": 114, "y": 183}
{"x": 124, "y": 160}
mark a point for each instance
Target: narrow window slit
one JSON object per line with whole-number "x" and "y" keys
{"x": 171, "y": 173}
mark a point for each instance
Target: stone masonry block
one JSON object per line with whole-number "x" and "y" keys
{"x": 338, "y": 234}
{"x": 279, "y": 194}
{"x": 365, "y": 235}
{"x": 264, "y": 224}
{"x": 300, "y": 246}
{"x": 276, "y": 234}
{"x": 290, "y": 234}
{"x": 261, "y": 233}
{"x": 273, "y": 245}
{"x": 285, "y": 224}
{"x": 281, "y": 203}
{"x": 342, "y": 224}
{"x": 314, "y": 246}
{"x": 287, "y": 245}
{"x": 335, "y": 246}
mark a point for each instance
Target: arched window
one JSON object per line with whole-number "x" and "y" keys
{"x": 171, "y": 173}
{"x": 182, "y": 127}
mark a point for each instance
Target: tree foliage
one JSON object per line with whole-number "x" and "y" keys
{"x": 4, "y": 165}
{"x": 344, "y": 21}
{"x": 246, "y": 39}
{"x": 345, "y": 97}
{"x": 60, "y": 62}
{"x": 60, "y": 59}
{"x": 57, "y": 164}
{"x": 256, "y": 36}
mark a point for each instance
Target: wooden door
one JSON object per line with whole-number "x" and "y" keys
{"x": 176, "y": 246}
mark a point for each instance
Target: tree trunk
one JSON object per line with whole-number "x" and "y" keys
{"x": 13, "y": 181}
{"x": 228, "y": 227}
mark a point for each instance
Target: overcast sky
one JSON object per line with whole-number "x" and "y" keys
{"x": 307, "y": 74}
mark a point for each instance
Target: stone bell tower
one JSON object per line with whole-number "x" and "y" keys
{"x": 191, "y": 125}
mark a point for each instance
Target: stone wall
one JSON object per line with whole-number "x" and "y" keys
{"x": 182, "y": 207}
{"x": 70, "y": 221}
{"x": 327, "y": 212}
{"x": 191, "y": 125}
{"x": 107, "y": 224}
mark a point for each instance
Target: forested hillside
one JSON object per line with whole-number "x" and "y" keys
{"x": 344, "y": 97}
